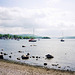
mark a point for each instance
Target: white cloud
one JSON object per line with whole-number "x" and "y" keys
{"x": 53, "y": 1}
{"x": 47, "y": 19}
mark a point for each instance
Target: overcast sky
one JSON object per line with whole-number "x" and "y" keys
{"x": 47, "y": 17}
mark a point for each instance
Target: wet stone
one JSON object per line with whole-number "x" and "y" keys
{"x": 23, "y": 46}
{"x": 48, "y": 56}
{"x": 37, "y": 57}
{"x": 24, "y": 57}
{"x": 1, "y": 52}
{"x": 5, "y": 54}
{"x": 45, "y": 64}
{"x": 33, "y": 56}
{"x": 11, "y": 53}
{"x": 20, "y": 51}
{"x": 28, "y": 54}
{"x": 59, "y": 67}
{"x": 9, "y": 56}
{"x": 18, "y": 58}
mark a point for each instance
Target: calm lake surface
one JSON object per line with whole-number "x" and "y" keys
{"x": 63, "y": 52}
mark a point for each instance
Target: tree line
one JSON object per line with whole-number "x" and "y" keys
{"x": 9, "y": 36}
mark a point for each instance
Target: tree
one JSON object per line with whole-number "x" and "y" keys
{"x": 1, "y": 36}
{"x": 26, "y": 37}
{"x": 6, "y": 35}
{"x": 20, "y": 37}
{"x": 15, "y": 36}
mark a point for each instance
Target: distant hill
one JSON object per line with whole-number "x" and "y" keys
{"x": 31, "y": 35}
{"x": 68, "y": 37}
{"x": 24, "y": 35}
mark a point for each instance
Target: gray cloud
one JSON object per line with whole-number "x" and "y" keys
{"x": 46, "y": 19}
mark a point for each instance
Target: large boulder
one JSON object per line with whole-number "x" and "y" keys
{"x": 49, "y": 56}
{"x": 25, "y": 57}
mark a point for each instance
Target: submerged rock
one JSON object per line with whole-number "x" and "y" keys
{"x": 55, "y": 64}
{"x": 34, "y": 45}
{"x": 11, "y": 53}
{"x": 31, "y": 45}
{"x": 37, "y": 59}
{"x": 33, "y": 56}
{"x": 1, "y": 52}
{"x": 20, "y": 51}
{"x": 1, "y": 49}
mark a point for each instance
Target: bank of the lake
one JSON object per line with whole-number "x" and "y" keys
{"x": 13, "y": 68}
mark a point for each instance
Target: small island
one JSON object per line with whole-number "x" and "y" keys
{"x": 46, "y": 38}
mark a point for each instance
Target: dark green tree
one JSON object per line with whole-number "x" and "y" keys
{"x": 19, "y": 37}
{"x": 1, "y": 36}
{"x": 15, "y": 36}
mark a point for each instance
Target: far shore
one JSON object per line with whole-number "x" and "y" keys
{"x": 14, "y": 68}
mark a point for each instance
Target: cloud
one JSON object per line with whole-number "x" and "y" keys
{"x": 33, "y": 17}
{"x": 45, "y": 19}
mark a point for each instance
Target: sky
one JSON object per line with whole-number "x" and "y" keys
{"x": 46, "y": 17}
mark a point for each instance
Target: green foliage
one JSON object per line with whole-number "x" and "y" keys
{"x": 15, "y": 36}
{"x": 20, "y": 37}
{"x": 32, "y": 37}
{"x": 8, "y": 36}
{"x": 26, "y": 37}
{"x": 1, "y": 35}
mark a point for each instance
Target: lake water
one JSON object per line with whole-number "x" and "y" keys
{"x": 63, "y": 52}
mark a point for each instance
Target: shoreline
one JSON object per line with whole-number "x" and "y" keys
{"x": 8, "y": 67}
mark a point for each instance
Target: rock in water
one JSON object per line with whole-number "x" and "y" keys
{"x": 49, "y": 56}
{"x": 1, "y": 56}
{"x": 24, "y": 57}
{"x": 45, "y": 64}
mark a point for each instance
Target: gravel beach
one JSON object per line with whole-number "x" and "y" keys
{"x": 10, "y": 68}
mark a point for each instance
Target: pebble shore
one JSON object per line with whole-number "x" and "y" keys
{"x": 10, "y": 68}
